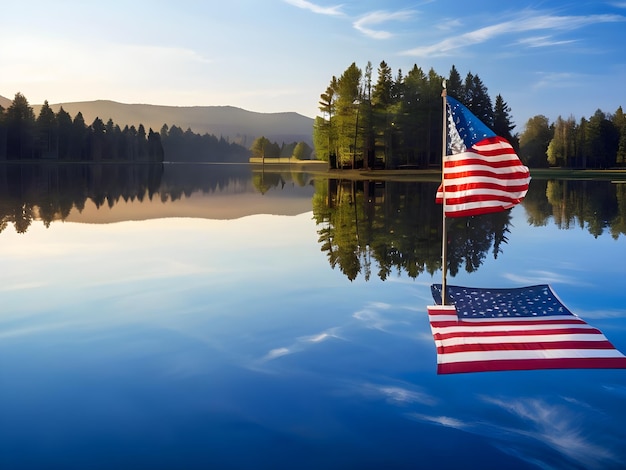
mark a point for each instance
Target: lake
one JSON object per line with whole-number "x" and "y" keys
{"x": 211, "y": 316}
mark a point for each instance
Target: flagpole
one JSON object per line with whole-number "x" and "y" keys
{"x": 444, "y": 261}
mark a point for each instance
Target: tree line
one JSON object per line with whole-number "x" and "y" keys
{"x": 263, "y": 148}
{"x": 56, "y": 136}
{"x": 187, "y": 146}
{"x": 396, "y": 122}
{"x": 597, "y": 142}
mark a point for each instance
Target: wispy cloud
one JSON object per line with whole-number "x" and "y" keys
{"x": 365, "y": 24}
{"x": 371, "y": 316}
{"x": 401, "y": 394}
{"x": 318, "y": 338}
{"x": 543, "y": 41}
{"x": 557, "y": 426}
{"x": 525, "y": 22}
{"x": 276, "y": 353}
{"x": 542, "y": 277}
{"x": 368, "y": 23}
{"x": 300, "y": 344}
{"x": 446, "y": 421}
{"x": 320, "y": 10}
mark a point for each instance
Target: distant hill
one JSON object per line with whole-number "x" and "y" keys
{"x": 5, "y": 102}
{"x": 235, "y": 124}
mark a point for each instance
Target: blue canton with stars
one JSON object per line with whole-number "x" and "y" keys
{"x": 471, "y": 302}
{"x": 470, "y": 128}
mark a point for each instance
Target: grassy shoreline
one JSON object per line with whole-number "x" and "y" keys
{"x": 321, "y": 168}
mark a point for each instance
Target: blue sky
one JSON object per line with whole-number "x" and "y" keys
{"x": 543, "y": 56}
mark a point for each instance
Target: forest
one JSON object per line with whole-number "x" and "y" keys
{"x": 396, "y": 122}
{"x": 56, "y": 136}
{"x": 59, "y": 137}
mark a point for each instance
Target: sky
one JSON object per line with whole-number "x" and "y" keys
{"x": 548, "y": 57}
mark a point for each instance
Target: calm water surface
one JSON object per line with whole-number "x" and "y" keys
{"x": 237, "y": 320}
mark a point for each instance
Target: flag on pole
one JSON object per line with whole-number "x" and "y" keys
{"x": 481, "y": 171}
{"x": 514, "y": 329}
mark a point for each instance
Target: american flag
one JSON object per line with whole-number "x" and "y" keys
{"x": 526, "y": 328}
{"x": 481, "y": 171}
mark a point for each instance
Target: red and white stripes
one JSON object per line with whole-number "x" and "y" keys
{"x": 518, "y": 343}
{"x": 488, "y": 177}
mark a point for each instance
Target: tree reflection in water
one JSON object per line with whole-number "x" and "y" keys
{"x": 395, "y": 227}
{"x": 364, "y": 227}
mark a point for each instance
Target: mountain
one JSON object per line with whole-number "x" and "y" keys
{"x": 235, "y": 124}
{"x": 5, "y": 102}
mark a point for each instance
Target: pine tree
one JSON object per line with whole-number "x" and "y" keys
{"x": 347, "y": 117}
{"x": 64, "y": 126}
{"x": 20, "y": 120}
{"x": 47, "y": 132}
{"x": 502, "y": 124}
{"x": 619, "y": 120}
{"x": 455, "y": 84}
{"x": 381, "y": 93}
{"x": 481, "y": 104}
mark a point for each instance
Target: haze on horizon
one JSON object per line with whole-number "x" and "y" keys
{"x": 551, "y": 58}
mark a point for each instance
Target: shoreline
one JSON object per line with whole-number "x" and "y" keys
{"x": 319, "y": 167}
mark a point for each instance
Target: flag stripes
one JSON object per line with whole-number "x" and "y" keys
{"x": 487, "y": 178}
{"x": 542, "y": 341}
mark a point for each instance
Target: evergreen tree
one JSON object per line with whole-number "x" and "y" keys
{"x": 502, "y": 124}
{"x": 455, "y": 84}
{"x": 96, "y": 147}
{"x": 348, "y": 109}
{"x": 468, "y": 91}
{"x": 481, "y": 104}
{"x": 381, "y": 113}
{"x": 619, "y": 121}
{"x": 142, "y": 144}
{"x": 155, "y": 147}
{"x": 78, "y": 139}
{"x": 381, "y": 93}
{"x": 20, "y": 120}
{"x": 367, "y": 118}
{"x": 64, "y": 126}
{"x": 435, "y": 116}
{"x": 603, "y": 140}
{"x": 397, "y": 88}
{"x": 47, "y": 132}
{"x": 323, "y": 135}
{"x": 581, "y": 148}
{"x": 112, "y": 144}
{"x": 164, "y": 131}
{"x": 416, "y": 112}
